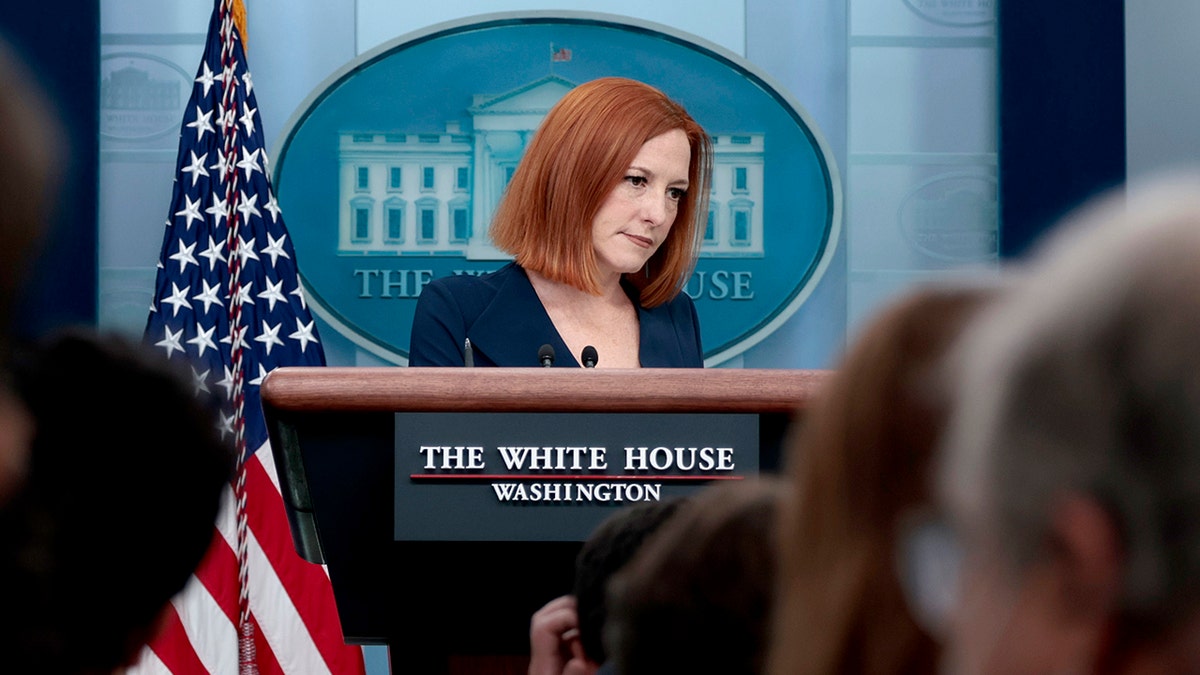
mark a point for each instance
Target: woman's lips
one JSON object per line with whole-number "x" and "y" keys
{"x": 644, "y": 242}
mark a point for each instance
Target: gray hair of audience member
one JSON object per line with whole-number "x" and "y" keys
{"x": 1086, "y": 381}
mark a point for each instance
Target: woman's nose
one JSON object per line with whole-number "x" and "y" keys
{"x": 655, "y": 209}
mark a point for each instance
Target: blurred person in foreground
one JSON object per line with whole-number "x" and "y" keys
{"x": 697, "y": 596}
{"x": 1072, "y": 464}
{"x": 565, "y": 635}
{"x": 603, "y": 217}
{"x": 126, "y": 472}
{"x": 111, "y": 470}
{"x": 860, "y": 463}
{"x": 32, "y": 143}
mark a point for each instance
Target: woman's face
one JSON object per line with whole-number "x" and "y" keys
{"x": 636, "y": 216}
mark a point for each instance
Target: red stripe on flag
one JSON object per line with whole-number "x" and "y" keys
{"x": 218, "y": 573}
{"x": 306, "y": 583}
{"x": 173, "y": 647}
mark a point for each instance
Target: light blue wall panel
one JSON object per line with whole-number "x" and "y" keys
{"x": 718, "y": 21}
{"x": 1162, "y": 86}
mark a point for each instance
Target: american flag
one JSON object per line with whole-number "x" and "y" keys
{"x": 228, "y": 299}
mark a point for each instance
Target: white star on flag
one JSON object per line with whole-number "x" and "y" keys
{"x": 184, "y": 255}
{"x": 249, "y": 163}
{"x": 209, "y": 296}
{"x": 200, "y": 380}
{"x": 203, "y": 340}
{"x": 205, "y": 78}
{"x": 275, "y": 248}
{"x": 178, "y": 298}
{"x": 304, "y": 333}
{"x": 202, "y": 124}
{"x": 217, "y": 210}
{"x": 214, "y": 253}
{"x": 191, "y": 211}
{"x": 196, "y": 167}
{"x": 171, "y": 341}
{"x": 247, "y": 119}
{"x": 273, "y": 294}
{"x": 273, "y": 207}
{"x": 269, "y": 336}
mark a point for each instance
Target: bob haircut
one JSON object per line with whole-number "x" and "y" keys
{"x": 579, "y": 154}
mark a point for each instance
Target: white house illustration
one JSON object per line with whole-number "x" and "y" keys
{"x": 433, "y": 193}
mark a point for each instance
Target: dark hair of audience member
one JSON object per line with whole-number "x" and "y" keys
{"x": 609, "y": 548}
{"x": 860, "y": 461}
{"x": 696, "y": 598}
{"x": 126, "y": 474}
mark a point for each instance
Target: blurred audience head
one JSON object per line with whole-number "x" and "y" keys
{"x": 696, "y": 597}
{"x": 31, "y": 145}
{"x": 127, "y": 469}
{"x": 860, "y": 465}
{"x": 1072, "y": 462}
{"x": 565, "y": 634}
{"x": 610, "y": 546}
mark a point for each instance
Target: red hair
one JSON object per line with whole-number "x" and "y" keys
{"x": 579, "y": 154}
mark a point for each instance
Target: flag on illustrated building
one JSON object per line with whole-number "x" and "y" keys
{"x": 227, "y": 299}
{"x": 561, "y": 54}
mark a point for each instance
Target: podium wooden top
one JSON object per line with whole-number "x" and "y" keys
{"x": 401, "y": 389}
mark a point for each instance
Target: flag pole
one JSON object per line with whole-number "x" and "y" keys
{"x": 232, "y": 11}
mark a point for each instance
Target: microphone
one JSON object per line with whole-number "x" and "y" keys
{"x": 590, "y": 357}
{"x": 546, "y": 355}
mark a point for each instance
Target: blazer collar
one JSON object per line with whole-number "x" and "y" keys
{"x": 515, "y": 325}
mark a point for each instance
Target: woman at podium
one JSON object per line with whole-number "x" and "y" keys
{"x": 603, "y": 217}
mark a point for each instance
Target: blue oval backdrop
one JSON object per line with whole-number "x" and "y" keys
{"x": 389, "y": 173}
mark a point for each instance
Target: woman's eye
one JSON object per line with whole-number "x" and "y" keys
{"x": 677, "y": 193}
{"x": 636, "y": 181}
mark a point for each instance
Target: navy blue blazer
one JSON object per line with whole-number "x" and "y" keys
{"x": 507, "y": 324}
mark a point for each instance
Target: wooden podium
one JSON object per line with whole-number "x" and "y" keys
{"x": 333, "y": 435}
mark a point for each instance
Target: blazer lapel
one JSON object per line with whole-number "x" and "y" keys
{"x": 512, "y": 328}
{"x": 659, "y": 346}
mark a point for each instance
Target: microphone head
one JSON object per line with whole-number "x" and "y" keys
{"x": 590, "y": 357}
{"x": 546, "y": 355}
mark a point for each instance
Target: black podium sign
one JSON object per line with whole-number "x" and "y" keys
{"x": 554, "y": 476}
